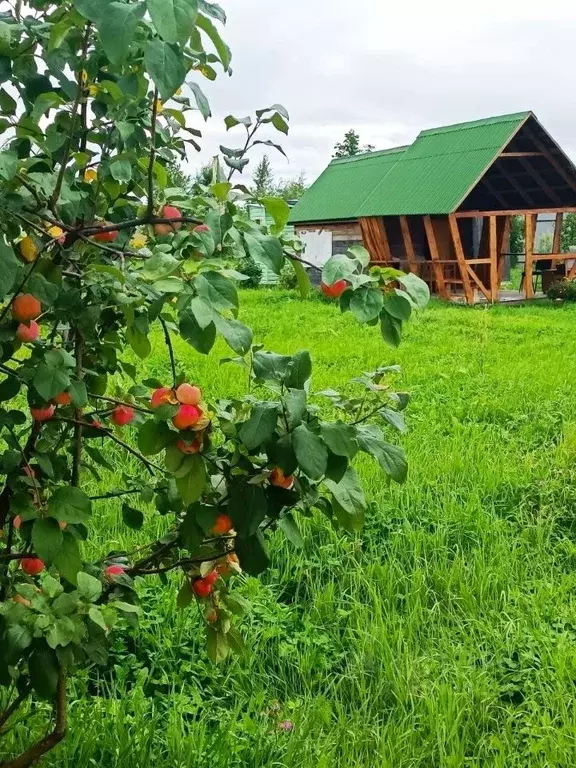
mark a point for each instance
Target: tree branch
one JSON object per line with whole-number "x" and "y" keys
{"x": 32, "y": 755}
{"x": 77, "y": 457}
{"x": 170, "y": 349}
{"x": 120, "y": 402}
{"x": 150, "y": 209}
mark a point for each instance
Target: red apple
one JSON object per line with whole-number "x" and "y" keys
{"x": 188, "y": 394}
{"x": 187, "y": 416}
{"x": 43, "y": 414}
{"x": 28, "y": 333}
{"x": 32, "y": 566}
{"x": 335, "y": 290}
{"x": 26, "y": 307}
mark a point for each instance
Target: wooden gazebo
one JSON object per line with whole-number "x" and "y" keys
{"x": 442, "y": 207}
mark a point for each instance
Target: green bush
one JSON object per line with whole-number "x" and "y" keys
{"x": 288, "y": 278}
{"x": 254, "y": 273}
{"x": 563, "y": 289}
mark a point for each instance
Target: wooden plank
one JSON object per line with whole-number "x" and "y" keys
{"x": 375, "y": 239}
{"x": 408, "y": 245}
{"x": 529, "y": 266}
{"x": 514, "y": 212}
{"x": 477, "y": 261}
{"x": 520, "y": 154}
{"x": 479, "y": 282}
{"x": 435, "y": 256}
{"x": 569, "y": 179}
{"x": 493, "y": 237}
{"x": 553, "y": 256}
{"x": 556, "y": 242}
{"x": 572, "y": 274}
{"x": 457, "y": 241}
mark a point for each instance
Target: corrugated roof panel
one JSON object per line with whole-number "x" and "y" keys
{"x": 344, "y": 185}
{"x": 438, "y": 170}
{"x": 431, "y": 176}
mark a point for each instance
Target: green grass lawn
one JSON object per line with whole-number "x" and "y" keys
{"x": 444, "y": 635}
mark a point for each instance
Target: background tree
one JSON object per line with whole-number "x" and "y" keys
{"x": 517, "y": 239}
{"x": 100, "y": 257}
{"x": 292, "y": 189}
{"x": 568, "y": 232}
{"x": 263, "y": 178}
{"x": 350, "y": 145}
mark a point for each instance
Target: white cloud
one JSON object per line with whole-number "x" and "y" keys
{"x": 390, "y": 70}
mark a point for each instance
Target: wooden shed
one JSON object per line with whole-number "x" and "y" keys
{"x": 442, "y": 207}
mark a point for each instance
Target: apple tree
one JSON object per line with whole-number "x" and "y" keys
{"x": 102, "y": 261}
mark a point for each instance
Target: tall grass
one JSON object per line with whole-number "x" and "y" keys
{"x": 443, "y": 636}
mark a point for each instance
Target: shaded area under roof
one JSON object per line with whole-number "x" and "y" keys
{"x": 432, "y": 176}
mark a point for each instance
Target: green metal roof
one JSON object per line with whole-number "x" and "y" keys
{"x": 432, "y": 176}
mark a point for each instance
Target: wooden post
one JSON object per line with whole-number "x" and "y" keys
{"x": 457, "y": 240}
{"x": 408, "y": 245}
{"x": 493, "y": 239}
{"x": 434, "y": 255}
{"x": 375, "y": 239}
{"x": 529, "y": 265}
{"x": 503, "y": 248}
{"x": 557, "y": 242}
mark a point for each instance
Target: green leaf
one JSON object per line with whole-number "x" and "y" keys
{"x": 9, "y": 388}
{"x": 279, "y": 123}
{"x": 218, "y": 291}
{"x": 247, "y": 507}
{"x": 203, "y": 311}
{"x": 416, "y": 289}
{"x": 295, "y": 406}
{"x": 51, "y": 586}
{"x": 238, "y": 336}
{"x": 310, "y": 452}
{"x": 191, "y": 485}
{"x": 121, "y": 169}
{"x": 10, "y": 268}
{"x": 291, "y": 530}
{"x": 253, "y": 554}
{"x": 201, "y": 101}
{"x": 366, "y": 304}
{"x": 19, "y": 637}
{"x": 43, "y": 289}
{"x": 78, "y": 393}
{"x": 338, "y": 267}
{"x": 217, "y": 645}
{"x": 222, "y": 49}
{"x": 93, "y": 10}
{"x": 139, "y": 342}
{"x": 89, "y": 587}
{"x": 299, "y": 370}
{"x": 49, "y": 381}
{"x": 266, "y": 251}
{"x": 349, "y": 498}
{"x": 173, "y": 19}
{"x": 269, "y": 366}
{"x": 133, "y": 518}
{"x": 43, "y": 669}
{"x": 340, "y": 438}
{"x": 97, "y": 617}
{"x": 279, "y": 210}
{"x": 69, "y": 562}
{"x": 202, "y": 339}
{"x": 8, "y": 165}
{"x": 391, "y": 457}
{"x": 153, "y": 437}
{"x": 185, "y": 595}
{"x": 391, "y": 329}
{"x": 117, "y": 28}
{"x": 165, "y": 65}
{"x": 70, "y": 505}
{"x": 260, "y": 426}
{"x": 303, "y": 278}
{"x": 47, "y": 539}
{"x": 398, "y": 305}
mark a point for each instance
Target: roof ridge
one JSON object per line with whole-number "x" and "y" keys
{"x": 368, "y": 155}
{"x": 469, "y": 124}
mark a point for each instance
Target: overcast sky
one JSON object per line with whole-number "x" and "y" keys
{"x": 389, "y": 68}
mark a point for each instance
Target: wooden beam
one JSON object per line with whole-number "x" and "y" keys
{"x": 556, "y": 243}
{"x": 569, "y": 179}
{"x": 503, "y": 247}
{"x": 512, "y": 212}
{"x": 524, "y": 194}
{"x": 408, "y": 245}
{"x": 493, "y": 239}
{"x": 528, "y": 266}
{"x": 376, "y": 239}
{"x": 479, "y": 282}
{"x": 541, "y": 182}
{"x": 435, "y": 256}
{"x": 494, "y": 192}
{"x": 457, "y": 241}
{"x": 572, "y": 274}
{"x": 520, "y": 154}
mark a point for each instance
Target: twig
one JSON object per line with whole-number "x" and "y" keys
{"x": 77, "y": 458}
{"x": 118, "y": 494}
{"x": 79, "y": 91}
{"x": 120, "y": 402}
{"x": 170, "y": 349}
{"x": 150, "y": 466}
{"x": 249, "y": 137}
{"x": 150, "y": 208}
{"x": 18, "y": 701}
